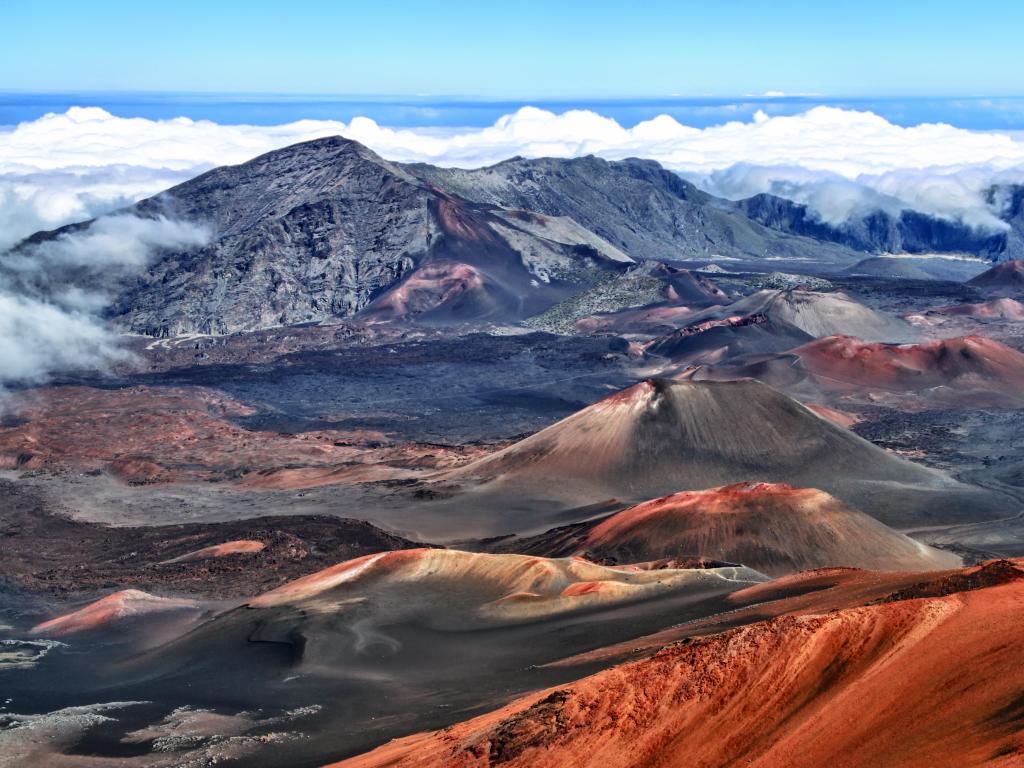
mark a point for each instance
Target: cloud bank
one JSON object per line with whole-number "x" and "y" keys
{"x": 84, "y": 162}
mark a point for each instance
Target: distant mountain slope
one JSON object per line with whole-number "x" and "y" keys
{"x": 638, "y": 206}
{"x": 1008, "y": 199}
{"x": 327, "y": 229}
{"x": 613, "y": 198}
{"x": 923, "y": 267}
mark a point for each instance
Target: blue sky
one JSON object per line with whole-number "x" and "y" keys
{"x": 518, "y": 50}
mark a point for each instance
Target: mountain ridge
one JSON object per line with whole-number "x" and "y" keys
{"x": 323, "y": 229}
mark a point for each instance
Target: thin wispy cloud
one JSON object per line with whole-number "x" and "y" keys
{"x": 52, "y": 294}
{"x": 38, "y": 339}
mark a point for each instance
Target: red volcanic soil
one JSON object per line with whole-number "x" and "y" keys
{"x": 321, "y": 581}
{"x": 999, "y": 309}
{"x": 447, "y": 287}
{"x": 242, "y": 547}
{"x": 912, "y": 683}
{"x": 146, "y": 435}
{"x": 967, "y": 366}
{"x": 109, "y": 610}
{"x": 773, "y": 528}
{"x": 837, "y": 417}
{"x": 1006, "y": 277}
{"x": 814, "y": 592}
{"x": 460, "y": 221}
{"x": 658, "y": 437}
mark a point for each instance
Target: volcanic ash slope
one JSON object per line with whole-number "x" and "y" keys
{"x": 1005, "y": 279}
{"x": 964, "y": 372}
{"x": 450, "y": 589}
{"x": 350, "y": 615}
{"x": 660, "y": 437}
{"x": 442, "y": 588}
{"x": 115, "y": 610}
{"x": 817, "y": 314}
{"x": 930, "y": 682}
{"x": 773, "y": 528}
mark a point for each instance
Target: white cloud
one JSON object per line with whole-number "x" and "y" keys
{"x": 85, "y": 162}
{"x": 77, "y": 269}
{"x": 51, "y": 293}
{"x": 47, "y": 199}
{"x": 111, "y": 242}
{"x": 70, "y": 166}
{"x": 786, "y": 94}
{"x": 38, "y": 339}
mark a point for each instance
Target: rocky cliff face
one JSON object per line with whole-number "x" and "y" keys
{"x": 306, "y": 233}
{"x": 322, "y": 229}
{"x": 909, "y": 232}
{"x": 638, "y": 206}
